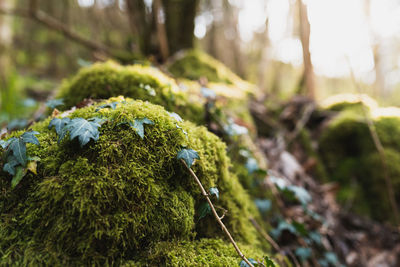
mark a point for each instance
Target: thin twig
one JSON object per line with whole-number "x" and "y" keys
{"x": 204, "y": 193}
{"x": 271, "y": 241}
{"x": 379, "y": 148}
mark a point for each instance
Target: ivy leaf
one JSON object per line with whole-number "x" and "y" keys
{"x": 98, "y": 120}
{"x": 59, "y": 124}
{"x": 208, "y": 93}
{"x": 251, "y": 165}
{"x": 138, "y": 125}
{"x": 112, "y": 105}
{"x": 53, "y": 103}
{"x": 175, "y": 116}
{"x": 84, "y": 130}
{"x": 19, "y": 174}
{"x": 252, "y": 261}
{"x": 204, "y": 209}
{"x": 303, "y": 253}
{"x": 10, "y": 165}
{"x": 18, "y": 147}
{"x": 269, "y": 262}
{"x": 188, "y": 155}
{"x": 29, "y": 137}
{"x": 214, "y": 191}
{"x": 5, "y": 144}
{"x": 263, "y": 205}
{"x": 300, "y": 193}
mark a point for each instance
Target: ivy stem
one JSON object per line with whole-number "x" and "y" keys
{"x": 204, "y": 193}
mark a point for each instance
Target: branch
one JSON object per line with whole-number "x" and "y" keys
{"x": 56, "y": 25}
{"x": 204, "y": 193}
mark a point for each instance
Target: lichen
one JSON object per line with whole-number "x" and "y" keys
{"x": 109, "y": 79}
{"x": 112, "y": 200}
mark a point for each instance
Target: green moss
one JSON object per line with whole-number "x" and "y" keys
{"x": 195, "y": 64}
{"x": 205, "y": 252}
{"x": 354, "y": 102}
{"x": 352, "y": 159}
{"x": 104, "y": 80}
{"x": 114, "y": 199}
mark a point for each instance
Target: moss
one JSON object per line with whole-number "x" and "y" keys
{"x": 352, "y": 159}
{"x": 205, "y": 252}
{"x": 112, "y": 200}
{"x": 354, "y": 102}
{"x": 195, "y": 64}
{"x": 104, "y": 80}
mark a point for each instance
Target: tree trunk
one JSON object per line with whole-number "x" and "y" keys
{"x": 179, "y": 22}
{"x": 5, "y": 59}
{"x": 308, "y": 76}
{"x": 5, "y": 40}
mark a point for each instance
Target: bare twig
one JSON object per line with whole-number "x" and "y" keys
{"x": 54, "y": 24}
{"x": 379, "y": 148}
{"x": 301, "y": 123}
{"x": 204, "y": 193}
{"x": 271, "y": 241}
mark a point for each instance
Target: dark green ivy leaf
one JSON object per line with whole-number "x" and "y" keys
{"x": 188, "y": 155}
{"x": 29, "y": 137}
{"x": 303, "y": 253}
{"x": 175, "y": 116}
{"x": 138, "y": 126}
{"x": 252, "y": 261}
{"x": 5, "y": 144}
{"x": 112, "y": 105}
{"x": 10, "y": 165}
{"x": 18, "y": 147}
{"x": 204, "y": 209}
{"x": 53, "y": 103}
{"x": 214, "y": 191}
{"x": 84, "y": 130}
{"x": 59, "y": 124}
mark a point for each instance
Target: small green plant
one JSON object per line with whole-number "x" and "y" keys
{"x": 80, "y": 128}
{"x": 17, "y": 163}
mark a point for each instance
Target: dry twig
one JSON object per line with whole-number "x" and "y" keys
{"x": 217, "y": 217}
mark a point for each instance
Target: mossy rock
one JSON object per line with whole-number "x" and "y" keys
{"x": 354, "y": 102}
{"x": 116, "y": 199}
{"x": 351, "y": 159}
{"x": 194, "y": 64}
{"x": 109, "y": 79}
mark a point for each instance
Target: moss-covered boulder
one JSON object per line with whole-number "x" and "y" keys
{"x": 109, "y": 79}
{"x": 194, "y": 64}
{"x": 123, "y": 199}
{"x": 354, "y": 102}
{"x": 351, "y": 158}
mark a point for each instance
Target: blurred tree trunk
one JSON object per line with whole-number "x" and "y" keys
{"x": 179, "y": 22}
{"x": 5, "y": 41}
{"x": 5, "y": 59}
{"x": 379, "y": 84}
{"x": 308, "y": 80}
{"x": 140, "y": 25}
{"x": 264, "y": 58}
